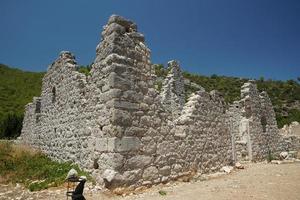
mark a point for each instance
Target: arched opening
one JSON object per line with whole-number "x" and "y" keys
{"x": 53, "y": 95}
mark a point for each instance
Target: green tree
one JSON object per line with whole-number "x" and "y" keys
{"x": 11, "y": 126}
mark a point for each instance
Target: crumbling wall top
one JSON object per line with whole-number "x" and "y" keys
{"x": 173, "y": 93}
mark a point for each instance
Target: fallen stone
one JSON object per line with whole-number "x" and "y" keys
{"x": 276, "y": 162}
{"x": 109, "y": 175}
{"x": 239, "y": 166}
{"x": 227, "y": 169}
{"x": 214, "y": 175}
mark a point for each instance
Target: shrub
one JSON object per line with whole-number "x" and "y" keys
{"x": 84, "y": 69}
{"x": 11, "y": 126}
{"x": 162, "y": 192}
{"x": 270, "y": 156}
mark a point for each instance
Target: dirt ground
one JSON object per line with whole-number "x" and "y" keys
{"x": 257, "y": 181}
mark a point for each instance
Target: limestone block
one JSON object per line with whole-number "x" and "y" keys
{"x": 177, "y": 167}
{"x": 123, "y": 144}
{"x": 110, "y": 94}
{"x": 185, "y": 119}
{"x": 115, "y": 81}
{"x": 125, "y": 105}
{"x": 137, "y": 36}
{"x": 149, "y": 144}
{"x": 131, "y": 177}
{"x": 121, "y": 117}
{"x": 120, "y": 20}
{"x": 150, "y": 173}
{"x": 139, "y": 161}
{"x": 132, "y": 96}
{"x": 101, "y": 144}
{"x": 109, "y": 175}
{"x": 111, "y": 161}
{"x": 164, "y": 179}
{"x": 144, "y": 106}
{"x": 165, "y": 171}
{"x": 135, "y": 131}
{"x": 180, "y": 131}
{"x": 146, "y": 121}
{"x": 114, "y": 27}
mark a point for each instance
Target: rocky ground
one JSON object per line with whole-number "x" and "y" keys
{"x": 257, "y": 181}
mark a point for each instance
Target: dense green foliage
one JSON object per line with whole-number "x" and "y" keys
{"x": 84, "y": 69}
{"x": 285, "y": 95}
{"x": 11, "y": 125}
{"x": 20, "y": 164}
{"x": 16, "y": 90}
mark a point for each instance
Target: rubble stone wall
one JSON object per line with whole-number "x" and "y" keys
{"x": 115, "y": 124}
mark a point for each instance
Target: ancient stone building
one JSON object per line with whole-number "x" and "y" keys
{"x": 115, "y": 124}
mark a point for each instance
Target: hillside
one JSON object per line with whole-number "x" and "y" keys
{"x": 18, "y": 87}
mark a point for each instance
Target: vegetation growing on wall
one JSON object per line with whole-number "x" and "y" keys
{"x": 84, "y": 69}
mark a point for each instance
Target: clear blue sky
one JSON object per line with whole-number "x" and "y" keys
{"x": 244, "y": 38}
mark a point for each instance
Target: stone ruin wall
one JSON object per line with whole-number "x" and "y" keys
{"x": 116, "y": 125}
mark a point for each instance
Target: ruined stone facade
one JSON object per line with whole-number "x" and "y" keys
{"x": 114, "y": 123}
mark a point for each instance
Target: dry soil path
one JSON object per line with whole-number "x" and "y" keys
{"x": 259, "y": 181}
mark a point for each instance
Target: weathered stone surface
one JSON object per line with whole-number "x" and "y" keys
{"x": 123, "y": 144}
{"x": 121, "y": 117}
{"x": 101, "y": 144}
{"x": 111, "y": 161}
{"x": 227, "y": 169}
{"x": 150, "y": 173}
{"x": 109, "y": 175}
{"x": 173, "y": 89}
{"x": 165, "y": 171}
{"x": 139, "y": 161}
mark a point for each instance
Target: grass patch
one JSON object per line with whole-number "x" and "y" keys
{"x": 162, "y": 192}
{"x": 270, "y": 156}
{"x": 21, "y": 164}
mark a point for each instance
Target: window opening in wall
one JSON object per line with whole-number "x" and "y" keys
{"x": 53, "y": 95}
{"x": 95, "y": 164}
{"x": 263, "y": 122}
{"x": 38, "y": 107}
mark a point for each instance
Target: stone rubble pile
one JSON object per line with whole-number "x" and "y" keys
{"x": 292, "y": 129}
{"x": 115, "y": 124}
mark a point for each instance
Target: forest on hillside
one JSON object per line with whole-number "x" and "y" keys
{"x": 17, "y": 88}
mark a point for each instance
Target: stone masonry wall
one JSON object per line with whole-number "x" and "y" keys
{"x": 173, "y": 94}
{"x": 254, "y": 127}
{"x": 115, "y": 124}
